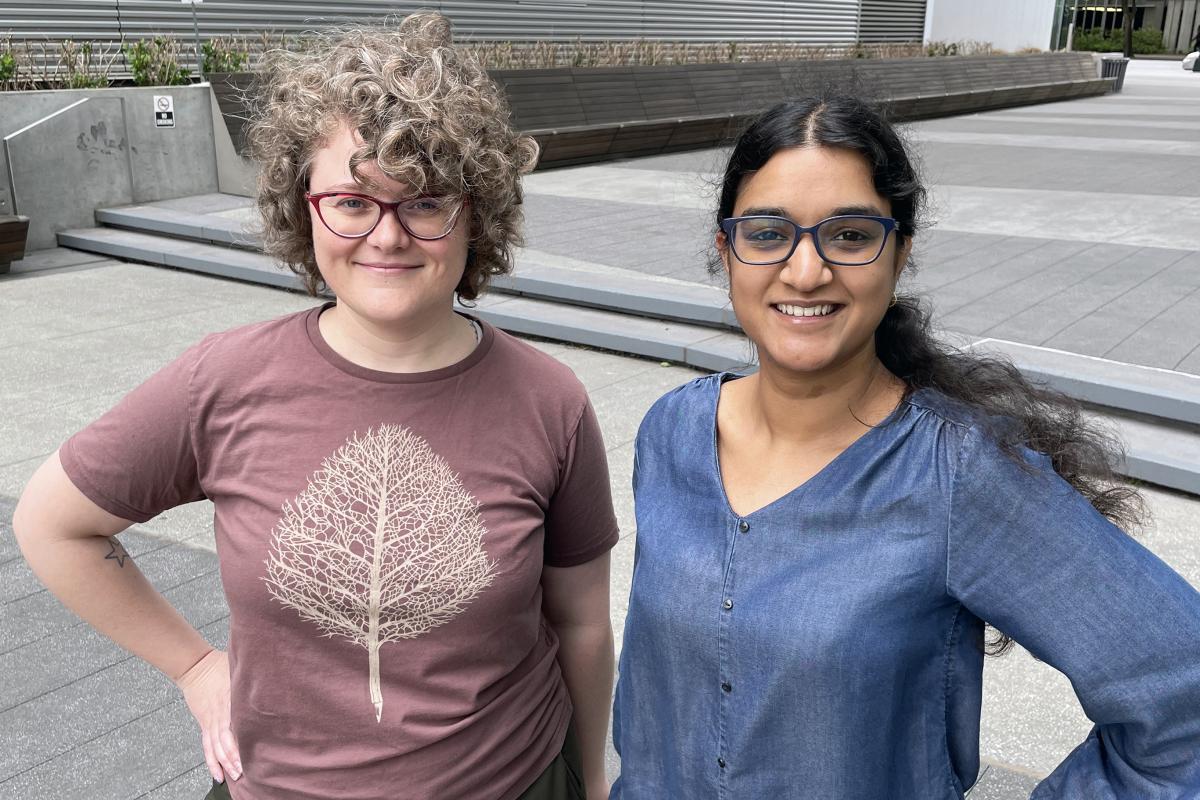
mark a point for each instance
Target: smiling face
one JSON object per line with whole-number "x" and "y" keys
{"x": 804, "y": 315}
{"x": 387, "y": 278}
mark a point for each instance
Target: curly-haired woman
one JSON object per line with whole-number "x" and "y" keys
{"x": 820, "y": 543}
{"x": 412, "y": 516}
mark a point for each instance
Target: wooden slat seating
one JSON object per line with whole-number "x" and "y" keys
{"x": 13, "y": 231}
{"x": 599, "y": 113}
{"x": 634, "y": 111}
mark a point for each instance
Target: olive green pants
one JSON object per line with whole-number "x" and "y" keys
{"x": 562, "y": 780}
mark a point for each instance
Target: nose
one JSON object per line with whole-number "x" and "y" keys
{"x": 805, "y": 270}
{"x": 389, "y": 234}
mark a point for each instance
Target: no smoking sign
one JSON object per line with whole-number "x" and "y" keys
{"x": 164, "y": 111}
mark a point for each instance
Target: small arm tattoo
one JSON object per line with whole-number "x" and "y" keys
{"x": 117, "y": 553}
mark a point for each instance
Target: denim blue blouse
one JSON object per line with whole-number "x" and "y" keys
{"x": 829, "y": 645}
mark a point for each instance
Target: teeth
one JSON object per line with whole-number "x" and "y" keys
{"x": 805, "y": 311}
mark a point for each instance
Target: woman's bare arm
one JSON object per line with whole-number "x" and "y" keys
{"x": 575, "y": 601}
{"x": 67, "y": 540}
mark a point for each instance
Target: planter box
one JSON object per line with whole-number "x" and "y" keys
{"x": 13, "y": 230}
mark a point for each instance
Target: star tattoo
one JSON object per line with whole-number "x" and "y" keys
{"x": 116, "y": 553}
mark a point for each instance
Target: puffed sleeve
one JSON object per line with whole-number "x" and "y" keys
{"x": 580, "y": 522}
{"x": 139, "y": 458}
{"x": 1030, "y": 555}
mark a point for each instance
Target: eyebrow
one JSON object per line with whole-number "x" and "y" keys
{"x": 840, "y": 211}
{"x": 347, "y": 187}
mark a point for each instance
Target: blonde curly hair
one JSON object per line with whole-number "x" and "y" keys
{"x": 428, "y": 114}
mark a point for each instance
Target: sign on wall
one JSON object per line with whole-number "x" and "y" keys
{"x": 164, "y": 111}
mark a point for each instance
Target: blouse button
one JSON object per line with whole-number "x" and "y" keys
{"x": 728, "y": 604}
{"x": 726, "y": 687}
{"x": 721, "y": 762}
{"x": 743, "y": 526}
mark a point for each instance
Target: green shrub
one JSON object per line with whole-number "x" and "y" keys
{"x": 83, "y": 65}
{"x": 941, "y": 49}
{"x": 1146, "y": 41}
{"x": 155, "y": 62}
{"x": 8, "y": 67}
{"x": 224, "y": 54}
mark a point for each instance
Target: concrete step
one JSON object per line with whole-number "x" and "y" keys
{"x": 148, "y": 248}
{"x": 1157, "y": 412}
{"x": 1159, "y": 452}
{"x": 648, "y": 296}
{"x": 182, "y": 224}
{"x": 697, "y": 345}
{"x": 1147, "y": 391}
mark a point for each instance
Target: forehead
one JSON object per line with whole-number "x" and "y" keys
{"x": 331, "y": 163}
{"x": 811, "y": 178}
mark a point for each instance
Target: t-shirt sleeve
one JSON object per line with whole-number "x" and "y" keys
{"x": 580, "y": 523}
{"x": 138, "y": 459}
{"x": 1029, "y": 554}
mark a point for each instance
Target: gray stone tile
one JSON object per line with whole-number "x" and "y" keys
{"x": 191, "y": 785}
{"x": 53, "y": 258}
{"x": 597, "y": 369}
{"x": 1012, "y": 167}
{"x": 621, "y": 406}
{"x": 1019, "y": 264}
{"x": 1076, "y": 128}
{"x": 1123, "y": 316}
{"x": 1000, "y": 783}
{"x": 53, "y": 723}
{"x": 1190, "y": 362}
{"x": 942, "y": 271}
{"x": 143, "y": 753}
{"x": 984, "y": 316}
{"x": 1041, "y": 321}
{"x": 708, "y": 160}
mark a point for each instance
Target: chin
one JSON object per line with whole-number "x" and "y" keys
{"x": 800, "y": 363}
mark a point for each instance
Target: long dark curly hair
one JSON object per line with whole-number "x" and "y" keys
{"x": 1022, "y": 414}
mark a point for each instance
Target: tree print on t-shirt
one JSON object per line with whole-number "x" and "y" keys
{"x": 384, "y": 544}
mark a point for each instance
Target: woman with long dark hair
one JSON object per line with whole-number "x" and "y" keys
{"x": 821, "y": 544}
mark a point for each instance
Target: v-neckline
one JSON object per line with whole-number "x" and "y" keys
{"x": 871, "y": 433}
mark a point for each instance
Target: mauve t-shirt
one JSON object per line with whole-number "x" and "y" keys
{"x": 381, "y": 539}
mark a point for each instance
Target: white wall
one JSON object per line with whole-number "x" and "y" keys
{"x": 1008, "y": 25}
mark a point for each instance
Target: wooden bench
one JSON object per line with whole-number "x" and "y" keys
{"x": 13, "y": 230}
{"x": 620, "y": 112}
{"x": 600, "y": 113}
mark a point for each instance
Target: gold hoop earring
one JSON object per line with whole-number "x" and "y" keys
{"x": 895, "y": 299}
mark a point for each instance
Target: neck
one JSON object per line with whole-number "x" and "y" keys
{"x": 828, "y": 405}
{"x": 429, "y": 343}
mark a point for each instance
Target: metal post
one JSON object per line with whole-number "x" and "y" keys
{"x": 196, "y": 36}
{"x": 1071, "y": 27}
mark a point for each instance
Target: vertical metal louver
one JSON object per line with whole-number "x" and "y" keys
{"x": 801, "y": 21}
{"x": 813, "y": 22}
{"x": 892, "y": 21}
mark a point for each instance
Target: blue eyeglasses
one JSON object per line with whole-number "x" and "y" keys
{"x": 851, "y": 240}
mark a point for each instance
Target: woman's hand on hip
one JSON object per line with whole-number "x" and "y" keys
{"x": 205, "y": 687}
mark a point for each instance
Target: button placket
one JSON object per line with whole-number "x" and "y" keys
{"x": 725, "y": 648}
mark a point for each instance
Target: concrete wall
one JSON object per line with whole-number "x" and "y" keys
{"x": 1011, "y": 25}
{"x": 107, "y": 151}
{"x": 235, "y": 175}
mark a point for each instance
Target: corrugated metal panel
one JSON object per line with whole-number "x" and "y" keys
{"x": 892, "y": 21}
{"x": 815, "y": 22}
{"x": 811, "y": 21}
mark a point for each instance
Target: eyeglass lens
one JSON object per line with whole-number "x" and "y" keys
{"x": 423, "y": 217}
{"x": 848, "y": 241}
